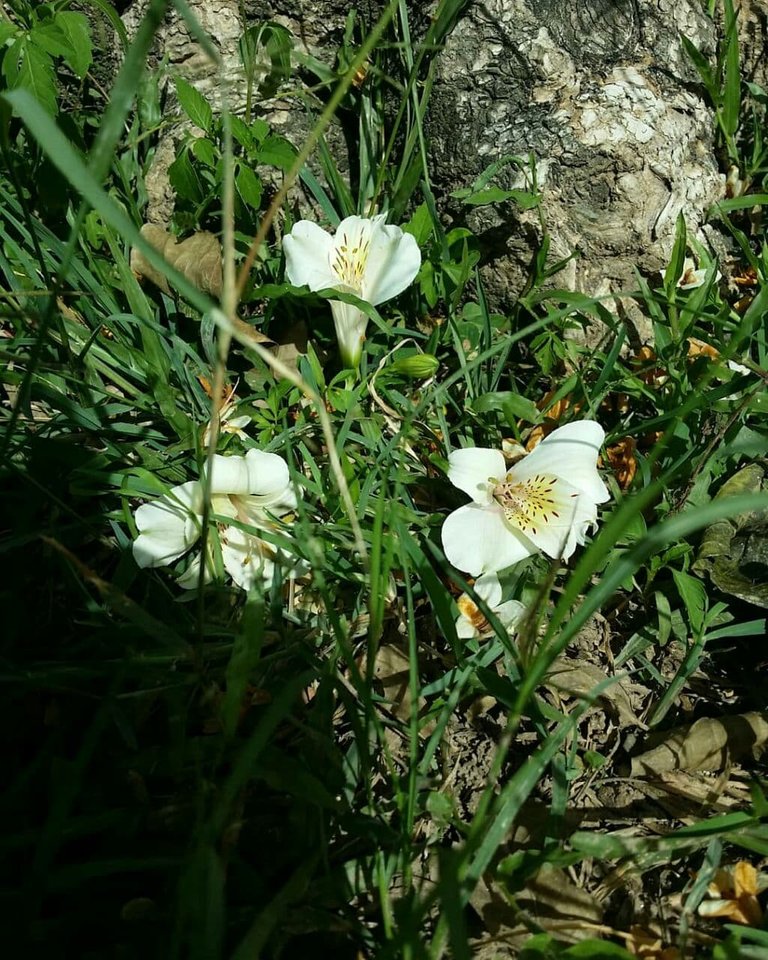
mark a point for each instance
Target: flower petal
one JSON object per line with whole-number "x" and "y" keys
{"x": 168, "y": 526}
{"x": 269, "y": 480}
{"x": 350, "y": 323}
{"x": 394, "y": 259}
{"x": 247, "y": 559}
{"x": 465, "y": 629}
{"x": 471, "y": 468}
{"x": 510, "y": 614}
{"x": 191, "y": 576}
{"x": 561, "y": 523}
{"x": 229, "y": 475}
{"x": 308, "y": 250}
{"x": 488, "y": 588}
{"x": 569, "y": 452}
{"x": 476, "y": 539}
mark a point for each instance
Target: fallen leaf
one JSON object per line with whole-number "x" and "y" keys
{"x": 577, "y": 678}
{"x": 708, "y": 744}
{"x": 734, "y": 893}
{"x": 646, "y": 945}
{"x": 735, "y": 551}
{"x": 198, "y": 258}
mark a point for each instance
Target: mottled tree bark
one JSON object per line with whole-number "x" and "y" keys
{"x": 599, "y": 91}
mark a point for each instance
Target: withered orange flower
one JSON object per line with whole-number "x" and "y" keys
{"x": 552, "y": 417}
{"x": 734, "y": 893}
{"x": 621, "y": 457}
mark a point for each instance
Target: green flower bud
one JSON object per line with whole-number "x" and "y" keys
{"x": 417, "y": 366}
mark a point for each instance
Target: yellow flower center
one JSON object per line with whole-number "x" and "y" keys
{"x": 349, "y": 261}
{"x": 527, "y": 504}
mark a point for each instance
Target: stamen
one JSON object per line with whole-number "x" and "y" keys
{"x": 528, "y": 503}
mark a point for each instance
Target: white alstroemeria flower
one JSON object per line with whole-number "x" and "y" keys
{"x": 365, "y": 257}
{"x": 546, "y": 501}
{"x": 253, "y": 490}
{"x": 471, "y": 622}
{"x": 691, "y": 278}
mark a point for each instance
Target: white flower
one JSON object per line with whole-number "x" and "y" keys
{"x": 546, "y": 501}
{"x": 252, "y": 490}
{"x": 227, "y": 423}
{"x": 365, "y": 257}
{"x": 471, "y": 621}
{"x": 691, "y": 278}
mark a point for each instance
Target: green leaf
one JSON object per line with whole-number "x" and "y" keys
{"x": 184, "y": 178}
{"x": 677, "y": 259}
{"x": 277, "y": 152}
{"x": 420, "y": 224}
{"x": 265, "y": 49}
{"x": 194, "y": 104}
{"x": 29, "y": 67}
{"x": 7, "y": 30}
{"x": 249, "y": 187}
{"x": 732, "y": 77}
{"x": 508, "y": 403}
{"x": 694, "y": 596}
{"x": 524, "y": 199}
{"x": 75, "y": 29}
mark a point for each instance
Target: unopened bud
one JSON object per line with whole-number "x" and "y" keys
{"x": 418, "y": 366}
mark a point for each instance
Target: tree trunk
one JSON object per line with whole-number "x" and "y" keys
{"x": 600, "y": 92}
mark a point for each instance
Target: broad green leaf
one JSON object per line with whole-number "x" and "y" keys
{"x": 184, "y": 178}
{"x": 277, "y": 152}
{"x": 249, "y": 187}
{"x": 509, "y": 403}
{"x": 35, "y": 73}
{"x": 75, "y": 28}
{"x": 194, "y": 104}
{"x": 7, "y": 30}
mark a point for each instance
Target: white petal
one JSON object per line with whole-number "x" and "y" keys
{"x": 191, "y": 576}
{"x": 558, "y": 535}
{"x": 350, "y": 323}
{"x": 246, "y": 559}
{"x": 488, "y": 588}
{"x": 569, "y": 452}
{"x": 465, "y": 629}
{"x": 510, "y": 614}
{"x": 308, "y": 250}
{"x": 472, "y": 468}
{"x": 393, "y": 261}
{"x": 229, "y": 475}
{"x": 269, "y": 479}
{"x": 169, "y": 526}
{"x": 477, "y": 540}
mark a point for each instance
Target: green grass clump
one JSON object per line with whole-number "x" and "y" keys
{"x": 322, "y": 764}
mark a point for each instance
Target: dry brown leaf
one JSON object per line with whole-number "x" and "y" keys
{"x": 707, "y": 744}
{"x": 550, "y": 900}
{"x": 198, "y": 258}
{"x": 642, "y": 943}
{"x": 578, "y": 678}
